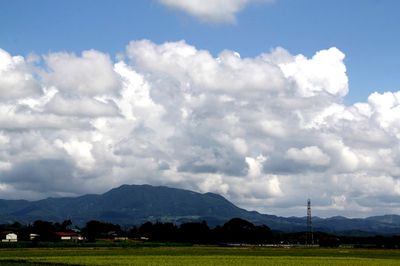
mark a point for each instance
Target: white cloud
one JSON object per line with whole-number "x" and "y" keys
{"x": 91, "y": 74}
{"x": 324, "y": 72}
{"x": 16, "y": 80}
{"x": 201, "y": 70}
{"x": 311, "y": 155}
{"x": 80, "y": 151}
{"x": 214, "y": 183}
{"x": 4, "y": 140}
{"x": 255, "y": 166}
{"x": 80, "y": 106}
{"x": 216, "y": 11}
{"x": 172, "y": 114}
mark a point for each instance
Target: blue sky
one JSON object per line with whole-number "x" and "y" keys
{"x": 95, "y": 94}
{"x": 366, "y": 31}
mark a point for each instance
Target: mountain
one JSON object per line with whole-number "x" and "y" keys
{"x": 386, "y": 224}
{"x": 136, "y": 204}
{"x": 127, "y": 204}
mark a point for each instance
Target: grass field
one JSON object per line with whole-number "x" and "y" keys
{"x": 197, "y": 255}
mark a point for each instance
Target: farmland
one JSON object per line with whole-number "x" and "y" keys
{"x": 197, "y": 255}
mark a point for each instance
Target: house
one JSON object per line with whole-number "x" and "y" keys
{"x": 10, "y": 237}
{"x": 121, "y": 238}
{"x": 68, "y": 236}
{"x": 34, "y": 237}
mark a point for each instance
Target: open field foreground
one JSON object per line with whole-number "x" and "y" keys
{"x": 198, "y": 255}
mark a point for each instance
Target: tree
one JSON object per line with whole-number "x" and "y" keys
{"x": 329, "y": 241}
{"x": 66, "y": 225}
{"x": 194, "y": 232}
{"x": 96, "y": 229}
{"x": 44, "y": 229}
{"x": 241, "y": 231}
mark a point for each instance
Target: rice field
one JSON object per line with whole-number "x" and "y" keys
{"x": 197, "y": 255}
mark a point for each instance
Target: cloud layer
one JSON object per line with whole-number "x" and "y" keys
{"x": 266, "y": 132}
{"x": 215, "y": 11}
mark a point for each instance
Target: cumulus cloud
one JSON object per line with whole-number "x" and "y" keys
{"x": 90, "y": 74}
{"x": 82, "y": 106}
{"x": 227, "y": 72}
{"x": 311, "y": 155}
{"x": 267, "y": 132}
{"x": 80, "y": 152}
{"x": 324, "y": 72}
{"x": 216, "y": 11}
{"x": 16, "y": 78}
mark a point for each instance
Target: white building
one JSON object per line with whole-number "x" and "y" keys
{"x": 34, "y": 236}
{"x": 11, "y": 237}
{"x": 65, "y": 236}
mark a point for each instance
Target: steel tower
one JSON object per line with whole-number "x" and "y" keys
{"x": 310, "y": 236}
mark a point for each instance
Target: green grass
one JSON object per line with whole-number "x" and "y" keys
{"x": 197, "y": 255}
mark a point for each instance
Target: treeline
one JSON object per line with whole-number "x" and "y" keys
{"x": 331, "y": 240}
{"x": 377, "y": 241}
{"x": 234, "y": 231}
{"x": 46, "y": 230}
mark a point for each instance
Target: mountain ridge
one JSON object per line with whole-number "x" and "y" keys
{"x": 136, "y": 204}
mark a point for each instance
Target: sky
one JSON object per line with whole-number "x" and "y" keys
{"x": 266, "y": 102}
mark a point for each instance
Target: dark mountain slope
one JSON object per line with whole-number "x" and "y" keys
{"x": 135, "y": 204}
{"x": 128, "y": 204}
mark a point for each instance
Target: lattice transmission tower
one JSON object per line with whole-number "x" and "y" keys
{"x": 310, "y": 235}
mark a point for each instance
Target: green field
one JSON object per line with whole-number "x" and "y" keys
{"x": 197, "y": 255}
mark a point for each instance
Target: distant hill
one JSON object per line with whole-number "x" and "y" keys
{"x": 136, "y": 204}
